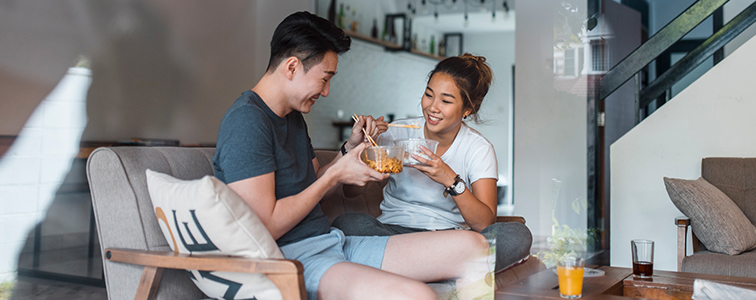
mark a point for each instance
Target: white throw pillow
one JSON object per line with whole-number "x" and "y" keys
{"x": 206, "y": 217}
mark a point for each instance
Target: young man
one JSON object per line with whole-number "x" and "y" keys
{"x": 265, "y": 155}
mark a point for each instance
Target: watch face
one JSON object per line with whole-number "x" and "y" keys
{"x": 459, "y": 188}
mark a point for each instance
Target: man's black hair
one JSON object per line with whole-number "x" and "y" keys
{"x": 308, "y": 37}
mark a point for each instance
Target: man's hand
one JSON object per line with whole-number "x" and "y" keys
{"x": 374, "y": 127}
{"x": 350, "y": 169}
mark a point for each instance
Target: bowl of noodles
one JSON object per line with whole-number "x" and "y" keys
{"x": 384, "y": 159}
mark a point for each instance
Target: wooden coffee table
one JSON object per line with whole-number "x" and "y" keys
{"x": 618, "y": 283}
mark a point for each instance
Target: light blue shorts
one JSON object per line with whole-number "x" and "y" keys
{"x": 317, "y": 254}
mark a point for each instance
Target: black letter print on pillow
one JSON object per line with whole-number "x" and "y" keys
{"x": 194, "y": 247}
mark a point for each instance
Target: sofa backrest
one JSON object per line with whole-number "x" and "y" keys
{"x": 736, "y": 177}
{"x": 125, "y": 217}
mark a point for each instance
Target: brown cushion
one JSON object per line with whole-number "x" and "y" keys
{"x": 715, "y": 219}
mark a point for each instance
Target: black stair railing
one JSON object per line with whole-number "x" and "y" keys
{"x": 665, "y": 81}
{"x": 658, "y": 43}
{"x": 631, "y": 65}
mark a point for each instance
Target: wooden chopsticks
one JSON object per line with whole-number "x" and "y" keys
{"x": 415, "y": 126}
{"x": 356, "y": 119}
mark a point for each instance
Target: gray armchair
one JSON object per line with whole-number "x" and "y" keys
{"x": 736, "y": 177}
{"x": 137, "y": 261}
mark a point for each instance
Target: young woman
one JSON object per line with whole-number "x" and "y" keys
{"x": 456, "y": 187}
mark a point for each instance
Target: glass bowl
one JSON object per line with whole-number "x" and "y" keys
{"x": 384, "y": 159}
{"x": 412, "y": 146}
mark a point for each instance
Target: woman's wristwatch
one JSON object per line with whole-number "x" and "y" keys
{"x": 458, "y": 187}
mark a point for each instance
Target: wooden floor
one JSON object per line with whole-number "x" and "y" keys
{"x": 41, "y": 289}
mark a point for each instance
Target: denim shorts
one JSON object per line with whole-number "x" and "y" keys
{"x": 321, "y": 252}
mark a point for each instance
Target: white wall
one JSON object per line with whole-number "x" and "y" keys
{"x": 712, "y": 117}
{"x": 35, "y": 166}
{"x": 499, "y": 50}
{"x": 549, "y": 126}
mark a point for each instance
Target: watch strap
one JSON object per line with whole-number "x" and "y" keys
{"x": 449, "y": 190}
{"x": 343, "y": 148}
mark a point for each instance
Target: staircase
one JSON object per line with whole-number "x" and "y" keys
{"x": 663, "y": 40}
{"x": 711, "y": 117}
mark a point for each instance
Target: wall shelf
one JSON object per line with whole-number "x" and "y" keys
{"x": 390, "y": 46}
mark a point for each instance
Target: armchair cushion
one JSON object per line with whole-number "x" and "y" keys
{"x": 204, "y": 216}
{"x": 715, "y": 219}
{"x": 708, "y": 262}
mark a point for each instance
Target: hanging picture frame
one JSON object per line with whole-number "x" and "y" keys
{"x": 453, "y": 44}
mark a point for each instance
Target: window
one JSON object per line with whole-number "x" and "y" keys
{"x": 600, "y": 56}
{"x": 569, "y": 62}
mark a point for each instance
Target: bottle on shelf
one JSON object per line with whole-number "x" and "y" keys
{"x": 354, "y": 22}
{"x": 332, "y": 12}
{"x": 374, "y": 30}
{"x": 441, "y": 49}
{"x": 347, "y": 18}
{"x": 340, "y": 17}
{"x": 384, "y": 34}
{"x": 432, "y": 45}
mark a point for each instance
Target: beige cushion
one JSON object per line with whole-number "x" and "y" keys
{"x": 715, "y": 219}
{"x": 204, "y": 216}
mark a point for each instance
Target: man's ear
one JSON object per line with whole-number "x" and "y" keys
{"x": 290, "y": 66}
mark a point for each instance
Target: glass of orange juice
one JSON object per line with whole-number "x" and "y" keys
{"x": 570, "y": 273}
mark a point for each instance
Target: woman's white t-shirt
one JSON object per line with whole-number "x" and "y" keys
{"x": 412, "y": 199}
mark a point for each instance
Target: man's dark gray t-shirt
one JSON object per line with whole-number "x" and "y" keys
{"x": 253, "y": 141}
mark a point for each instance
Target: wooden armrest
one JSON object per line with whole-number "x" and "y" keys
{"x": 682, "y": 238}
{"x": 286, "y": 274}
{"x": 510, "y": 219}
{"x": 170, "y": 260}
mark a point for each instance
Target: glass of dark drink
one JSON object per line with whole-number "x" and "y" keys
{"x": 643, "y": 258}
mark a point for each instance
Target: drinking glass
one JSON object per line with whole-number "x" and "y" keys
{"x": 643, "y": 258}
{"x": 570, "y": 273}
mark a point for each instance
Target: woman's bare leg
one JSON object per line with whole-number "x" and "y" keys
{"x": 441, "y": 255}
{"x": 354, "y": 281}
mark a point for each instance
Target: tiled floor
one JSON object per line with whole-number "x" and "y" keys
{"x": 63, "y": 262}
{"x": 70, "y": 261}
{"x": 41, "y": 289}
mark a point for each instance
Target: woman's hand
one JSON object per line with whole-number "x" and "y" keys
{"x": 435, "y": 168}
{"x": 374, "y": 127}
{"x": 479, "y": 208}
